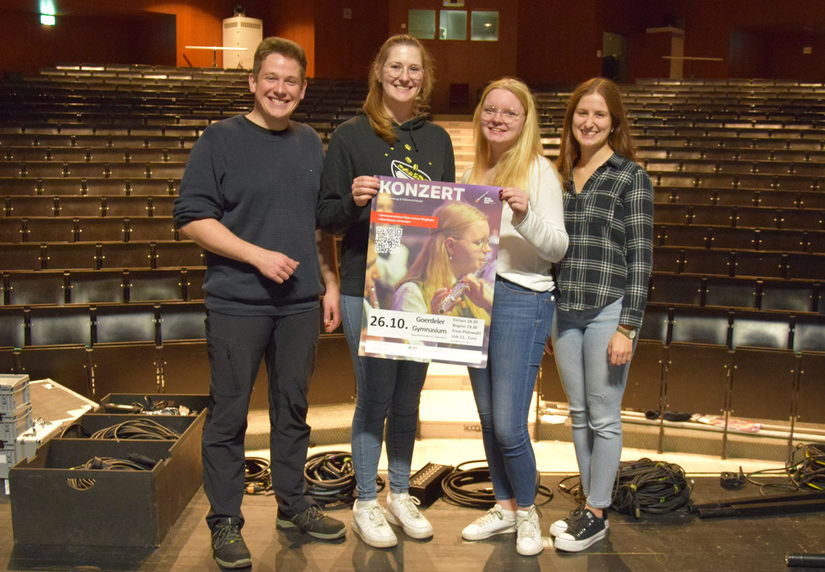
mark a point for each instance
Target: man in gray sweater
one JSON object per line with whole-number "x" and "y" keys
{"x": 248, "y": 198}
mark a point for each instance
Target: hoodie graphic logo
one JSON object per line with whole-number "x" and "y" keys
{"x": 407, "y": 170}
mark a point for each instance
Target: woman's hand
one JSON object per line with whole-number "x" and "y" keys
{"x": 363, "y": 189}
{"x": 619, "y": 349}
{"x": 478, "y": 292}
{"x": 438, "y": 299}
{"x": 518, "y": 200}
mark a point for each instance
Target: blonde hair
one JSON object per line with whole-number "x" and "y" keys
{"x": 373, "y": 107}
{"x": 431, "y": 269}
{"x": 512, "y": 169}
{"x": 619, "y": 138}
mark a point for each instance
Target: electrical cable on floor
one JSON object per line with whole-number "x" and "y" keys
{"x": 804, "y": 467}
{"x": 462, "y": 487}
{"x": 329, "y": 475}
{"x": 652, "y": 487}
{"x": 257, "y": 475}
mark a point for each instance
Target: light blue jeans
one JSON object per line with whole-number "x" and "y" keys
{"x": 519, "y": 327}
{"x": 594, "y": 391}
{"x": 388, "y": 390}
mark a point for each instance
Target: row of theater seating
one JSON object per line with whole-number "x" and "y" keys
{"x": 741, "y": 197}
{"x": 101, "y": 255}
{"x": 740, "y": 216}
{"x": 87, "y": 325}
{"x": 79, "y": 229}
{"x": 79, "y": 286}
{"x": 739, "y": 238}
{"x": 29, "y": 205}
{"x": 738, "y": 263}
{"x": 748, "y": 293}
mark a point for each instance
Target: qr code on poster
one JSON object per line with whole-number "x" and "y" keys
{"x": 387, "y": 238}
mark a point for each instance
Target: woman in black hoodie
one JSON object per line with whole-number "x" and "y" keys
{"x": 392, "y": 138}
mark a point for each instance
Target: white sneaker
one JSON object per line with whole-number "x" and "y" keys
{"x": 492, "y": 523}
{"x": 403, "y": 511}
{"x": 528, "y": 531}
{"x": 369, "y": 523}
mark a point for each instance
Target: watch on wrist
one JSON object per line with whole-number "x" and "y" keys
{"x": 629, "y": 332}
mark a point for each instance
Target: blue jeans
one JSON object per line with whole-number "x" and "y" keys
{"x": 519, "y": 327}
{"x": 388, "y": 390}
{"x": 594, "y": 391}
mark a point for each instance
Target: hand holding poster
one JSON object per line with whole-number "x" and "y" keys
{"x": 430, "y": 270}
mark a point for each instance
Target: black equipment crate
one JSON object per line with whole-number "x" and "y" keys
{"x": 122, "y": 508}
{"x": 195, "y": 402}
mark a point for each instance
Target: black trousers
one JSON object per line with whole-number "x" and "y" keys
{"x": 236, "y": 346}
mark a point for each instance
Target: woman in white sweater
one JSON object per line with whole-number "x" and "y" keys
{"x": 509, "y": 155}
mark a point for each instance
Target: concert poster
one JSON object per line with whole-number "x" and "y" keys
{"x": 430, "y": 271}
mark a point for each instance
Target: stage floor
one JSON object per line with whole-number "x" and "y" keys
{"x": 675, "y": 541}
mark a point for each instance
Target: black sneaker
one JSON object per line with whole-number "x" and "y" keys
{"x": 582, "y": 533}
{"x": 228, "y": 547}
{"x": 314, "y": 522}
{"x": 563, "y": 524}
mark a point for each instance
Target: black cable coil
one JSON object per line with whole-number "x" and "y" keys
{"x": 257, "y": 475}
{"x": 330, "y": 478}
{"x": 462, "y": 487}
{"x": 652, "y": 487}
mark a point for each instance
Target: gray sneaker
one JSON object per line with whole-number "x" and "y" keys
{"x": 228, "y": 547}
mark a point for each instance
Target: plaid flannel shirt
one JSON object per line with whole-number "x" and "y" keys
{"x": 610, "y": 224}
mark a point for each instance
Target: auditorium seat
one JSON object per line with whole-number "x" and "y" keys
{"x": 682, "y": 289}
{"x": 12, "y": 327}
{"x": 35, "y": 287}
{"x": 193, "y": 283}
{"x": 178, "y": 254}
{"x": 704, "y": 261}
{"x": 761, "y": 330}
{"x": 759, "y": 264}
{"x": 125, "y": 323}
{"x": 806, "y": 266}
{"x": 809, "y": 334}
{"x": 682, "y": 235}
{"x": 154, "y": 285}
{"x": 96, "y": 286}
{"x": 150, "y": 228}
{"x": 50, "y": 229}
{"x": 61, "y": 256}
{"x": 125, "y": 206}
{"x": 782, "y": 240}
{"x": 50, "y": 326}
{"x": 182, "y": 321}
{"x": 124, "y": 255}
{"x": 78, "y": 206}
{"x": 789, "y": 295}
{"x": 699, "y": 361}
{"x": 32, "y": 206}
{"x": 731, "y": 238}
{"x": 730, "y": 292}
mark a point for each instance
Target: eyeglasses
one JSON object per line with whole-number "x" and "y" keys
{"x": 480, "y": 244}
{"x": 507, "y": 115}
{"x": 395, "y": 70}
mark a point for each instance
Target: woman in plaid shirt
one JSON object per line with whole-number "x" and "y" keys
{"x": 603, "y": 278}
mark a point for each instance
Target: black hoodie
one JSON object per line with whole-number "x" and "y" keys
{"x": 422, "y": 151}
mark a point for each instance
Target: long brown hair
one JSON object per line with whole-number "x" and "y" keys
{"x": 373, "y": 107}
{"x": 619, "y": 138}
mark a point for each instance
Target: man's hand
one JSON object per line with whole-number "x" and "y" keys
{"x": 276, "y": 266}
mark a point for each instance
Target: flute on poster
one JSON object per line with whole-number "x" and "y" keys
{"x": 431, "y": 263}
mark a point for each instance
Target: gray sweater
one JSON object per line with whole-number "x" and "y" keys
{"x": 263, "y": 186}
